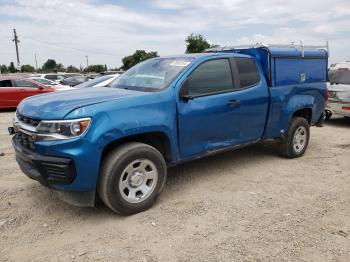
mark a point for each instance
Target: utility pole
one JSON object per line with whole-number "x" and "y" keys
{"x": 87, "y": 64}
{"x": 15, "y": 39}
{"x": 36, "y": 62}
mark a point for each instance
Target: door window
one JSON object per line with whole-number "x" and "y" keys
{"x": 51, "y": 77}
{"x": 5, "y": 83}
{"x": 210, "y": 77}
{"x": 43, "y": 81}
{"x": 24, "y": 83}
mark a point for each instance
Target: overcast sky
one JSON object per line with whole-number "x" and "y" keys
{"x": 108, "y": 30}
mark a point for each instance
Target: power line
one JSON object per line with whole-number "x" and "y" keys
{"x": 67, "y": 47}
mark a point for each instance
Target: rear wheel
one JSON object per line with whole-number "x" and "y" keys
{"x": 131, "y": 178}
{"x": 295, "y": 143}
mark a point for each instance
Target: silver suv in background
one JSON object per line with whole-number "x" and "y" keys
{"x": 339, "y": 90}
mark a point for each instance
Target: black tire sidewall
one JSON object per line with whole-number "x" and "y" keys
{"x": 295, "y": 124}
{"x": 113, "y": 193}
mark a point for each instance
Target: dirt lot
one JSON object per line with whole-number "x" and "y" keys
{"x": 245, "y": 205}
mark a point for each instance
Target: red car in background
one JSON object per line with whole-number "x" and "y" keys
{"x": 13, "y": 89}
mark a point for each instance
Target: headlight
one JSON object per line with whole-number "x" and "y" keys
{"x": 62, "y": 129}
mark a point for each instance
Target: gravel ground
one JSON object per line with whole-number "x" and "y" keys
{"x": 244, "y": 205}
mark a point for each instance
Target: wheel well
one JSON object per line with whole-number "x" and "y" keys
{"x": 304, "y": 113}
{"x": 158, "y": 140}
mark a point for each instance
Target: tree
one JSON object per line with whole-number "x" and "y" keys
{"x": 27, "y": 68}
{"x": 3, "y": 69}
{"x": 12, "y": 68}
{"x": 72, "y": 69}
{"x": 60, "y": 67}
{"x": 196, "y": 44}
{"x": 50, "y": 65}
{"x": 106, "y": 67}
{"x": 96, "y": 68}
{"x": 137, "y": 57}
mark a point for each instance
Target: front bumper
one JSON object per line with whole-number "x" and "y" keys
{"x": 45, "y": 169}
{"x": 52, "y": 172}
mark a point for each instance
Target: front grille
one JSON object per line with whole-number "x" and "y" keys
{"x": 25, "y": 140}
{"x": 27, "y": 120}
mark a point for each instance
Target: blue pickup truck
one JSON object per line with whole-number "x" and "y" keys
{"x": 117, "y": 142}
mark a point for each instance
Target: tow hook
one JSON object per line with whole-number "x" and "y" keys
{"x": 11, "y": 130}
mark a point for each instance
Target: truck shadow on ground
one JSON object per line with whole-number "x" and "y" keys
{"x": 338, "y": 122}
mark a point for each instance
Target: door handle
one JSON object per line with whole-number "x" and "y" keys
{"x": 234, "y": 102}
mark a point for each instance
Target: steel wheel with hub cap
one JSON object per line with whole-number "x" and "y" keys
{"x": 295, "y": 142}
{"x": 299, "y": 139}
{"x": 131, "y": 177}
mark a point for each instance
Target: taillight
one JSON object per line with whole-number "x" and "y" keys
{"x": 327, "y": 95}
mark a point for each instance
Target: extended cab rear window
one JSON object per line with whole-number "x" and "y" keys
{"x": 248, "y": 72}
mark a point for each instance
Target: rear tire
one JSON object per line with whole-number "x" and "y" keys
{"x": 295, "y": 143}
{"x": 131, "y": 178}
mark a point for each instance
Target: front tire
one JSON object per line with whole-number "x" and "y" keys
{"x": 131, "y": 177}
{"x": 295, "y": 143}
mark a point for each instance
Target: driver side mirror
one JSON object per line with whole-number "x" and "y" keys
{"x": 184, "y": 91}
{"x": 40, "y": 87}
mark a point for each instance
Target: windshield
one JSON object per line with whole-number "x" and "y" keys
{"x": 94, "y": 81}
{"x": 339, "y": 76}
{"x": 153, "y": 74}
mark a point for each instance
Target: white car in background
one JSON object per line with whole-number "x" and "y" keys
{"x": 100, "y": 81}
{"x": 345, "y": 65}
{"x": 51, "y": 83}
{"x": 51, "y": 76}
{"x": 339, "y": 91}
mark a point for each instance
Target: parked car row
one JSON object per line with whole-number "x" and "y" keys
{"x": 13, "y": 89}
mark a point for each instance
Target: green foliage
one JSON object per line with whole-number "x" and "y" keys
{"x": 137, "y": 57}
{"x": 27, "y": 69}
{"x": 196, "y": 44}
{"x": 12, "y": 68}
{"x": 72, "y": 69}
{"x": 3, "y": 69}
{"x": 96, "y": 68}
{"x": 60, "y": 68}
{"x": 50, "y": 65}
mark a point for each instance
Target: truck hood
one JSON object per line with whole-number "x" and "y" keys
{"x": 57, "y": 105}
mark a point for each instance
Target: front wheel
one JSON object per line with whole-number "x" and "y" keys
{"x": 295, "y": 142}
{"x": 131, "y": 178}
